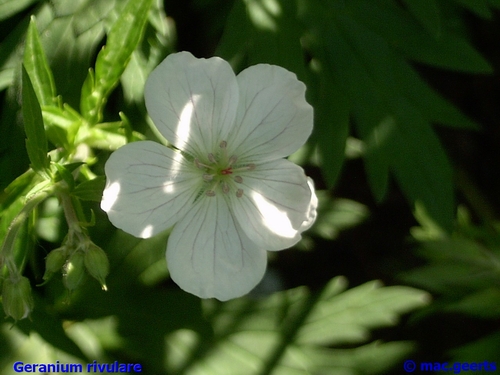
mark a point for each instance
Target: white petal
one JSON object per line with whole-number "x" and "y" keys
{"x": 273, "y": 118}
{"x": 209, "y": 256}
{"x": 148, "y": 188}
{"x": 275, "y": 204}
{"x": 311, "y": 209}
{"x": 192, "y": 101}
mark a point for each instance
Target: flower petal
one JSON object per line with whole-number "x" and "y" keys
{"x": 192, "y": 101}
{"x": 312, "y": 212}
{"x": 275, "y": 204}
{"x": 273, "y": 118}
{"x": 148, "y": 188}
{"x": 208, "y": 254}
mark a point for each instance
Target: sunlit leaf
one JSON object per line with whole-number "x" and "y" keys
{"x": 36, "y": 142}
{"x": 293, "y": 332}
{"x": 123, "y": 38}
{"x": 37, "y": 67}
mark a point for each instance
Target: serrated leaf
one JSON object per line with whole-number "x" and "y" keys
{"x": 292, "y": 332}
{"x": 90, "y": 190}
{"x": 36, "y": 142}
{"x": 403, "y": 33}
{"x": 122, "y": 40}
{"x": 356, "y": 311}
{"x": 392, "y": 119}
{"x": 37, "y": 67}
{"x": 335, "y": 215}
{"x": 264, "y": 33}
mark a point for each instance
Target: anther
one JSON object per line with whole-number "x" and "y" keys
{"x": 225, "y": 188}
{"x": 210, "y": 193}
{"x": 233, "y": 159}
{"x": 239, "y": 193}
{"x": 211, "y": 157}
{"x": 238, "y": 179}
{"x": 223, "y": 144}
{"x": 208, "y": 177}
{"x": 251, "y": 167}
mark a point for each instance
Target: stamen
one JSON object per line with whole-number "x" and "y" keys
{"x": 238, "y": 179}
{"x": 208, "y": 177}
{"x": 239, "y": 193}
{"x": 233, "y": 159}
{"x": 211, "y": 157}
{"x": 248, "y": 167}
{"x": 210, "y": 193}
{"x": 225, "y": 188}
{"x": 201, "y": 165}
{"x": 198, "y": 164}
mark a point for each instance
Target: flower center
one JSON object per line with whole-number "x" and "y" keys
{"x": 220, "y": 173}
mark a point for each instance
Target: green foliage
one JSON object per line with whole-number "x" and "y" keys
{"x": 80, "y": 66}
{"x": 463, "y": 270}
{"x": 360, "y": 53}
{"x": 123, "y": 39}
{"x": 36, "y": 142}
{"x": 296, "y": 332}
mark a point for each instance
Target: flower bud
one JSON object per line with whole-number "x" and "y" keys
{"x": 74, "y": 271}
{"x": 54, "y": 262}
{"x": 16, "y": 298}
{"x": 97, "y": 264}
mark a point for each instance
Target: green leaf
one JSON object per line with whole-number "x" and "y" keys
{"x": 37, "y": 67}
{"x": 257, "y": 32}
{"x": 479, "y": 7}
{"x": 332, "y": 120}
{"x": 36, "y": 142}
{"x": 355, "y": 311}
{"x": 158, "y": 39}
{"x": 457, "y": 267}
{"x": 427, "y": 13}
{"x": 403, "y": 33}
{"x": 423, "y": 176}
{"x": 90, "y": 190}
{"x": 390, "y": 115}
{"x": 123, "y": 38}
{"x": 336, "y": 215}
{"x": 10, "y": 7}
{"x": 17, "y": 188}
{"x": 486, "y": 347}
{"x": 483, "y": 304}
{"x": 294, "y": 332}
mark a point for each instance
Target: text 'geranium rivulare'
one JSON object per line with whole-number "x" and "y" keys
{"x": 224, "y": 185}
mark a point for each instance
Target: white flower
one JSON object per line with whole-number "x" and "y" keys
{"x": 227, "y": 188}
